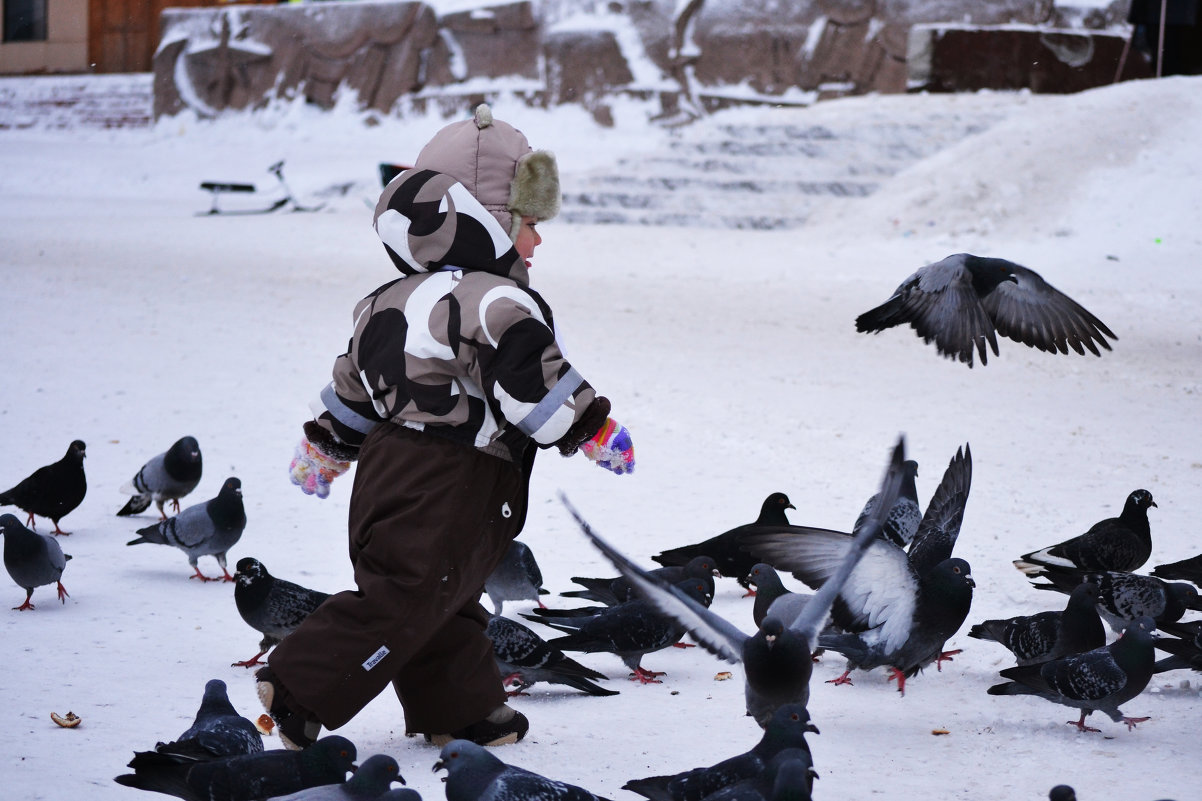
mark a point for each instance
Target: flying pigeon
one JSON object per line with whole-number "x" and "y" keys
{"x": 1124, "y": 597}
{"x": 206, "y": 529}
{"x": 270, "y": 605}
{"x": 1049, "y": 635}
{"x": 52, "y": 491}
{"x": 778, "y": 658}
{"x": 630, "y": 630}
{"x": 1097, "y": 680}
{"x": 217, "y": 731}
{"x": 785, "y": 732}
{"x": 897, "y": 608}
{"x": 32, "y": 559}
{"x": 1116, "y": 543}
{"x": 246, "y": 777}
{"x": 963, "y": 300}
{"x": 372, "y": 781}
{"x": 474, "y": 774}
{"x": 167, "y": 477}
{"x": 525, "y": 658}
{"x": 613, "y": 591}
{"x": 726, "y": 549}
{"x": 516, "y": 578}
{"x": 1185, "y": 570}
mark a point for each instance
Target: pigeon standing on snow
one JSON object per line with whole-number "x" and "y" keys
{"x": 1097, "y": 680}
{"x": 1123, "y": 597}
{"x": 778, "y": 658}
{"x": 206, "y": 529}
{"x": 1049, "y": 635}
{"x": 613, "y": 591}
{"x": 769, "y": 590}
{"x": 167, "y": 477}
{"x": 516, "y": 578}
{"x": 1185, "y": 570}
{"x": 726, "y": 549}
{"x": 217, "y": 731}
{"x": 32, "y": 559}
{"x": 245, "y": 777}
{"x": 474, "y": 774}
{"x": 1116, "y": 543}
{"x": 269, "y": 605}
{"x": 369, "y": 783}
{"x": 525, "y": 658}
{"x": 52, "y": 491}
{"x": 897, "y": 608}
{"x": 964, "y": 300}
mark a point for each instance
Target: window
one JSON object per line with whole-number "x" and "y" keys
{"x": 24, "y": 20}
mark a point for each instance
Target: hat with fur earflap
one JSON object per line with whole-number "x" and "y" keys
{"x": 494, "y": 162}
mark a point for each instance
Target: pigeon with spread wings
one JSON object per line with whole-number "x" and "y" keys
{"x": 777, "y": 659}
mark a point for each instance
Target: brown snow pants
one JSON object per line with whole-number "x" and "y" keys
{"x": 429, "y": 521}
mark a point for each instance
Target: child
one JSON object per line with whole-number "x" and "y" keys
{"x": 452, "y": 380}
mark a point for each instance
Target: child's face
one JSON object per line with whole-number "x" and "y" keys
{"x": 528, "y": 239}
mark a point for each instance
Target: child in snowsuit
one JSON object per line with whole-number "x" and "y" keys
{"x": 452, "y": 381}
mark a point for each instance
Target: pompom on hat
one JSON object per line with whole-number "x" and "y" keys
{"x": 495, "y": 163}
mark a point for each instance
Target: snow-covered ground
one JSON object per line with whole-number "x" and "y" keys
{"x": 128, "y": 321}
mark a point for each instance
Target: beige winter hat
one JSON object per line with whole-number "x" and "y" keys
{"x": 494, "y": 162}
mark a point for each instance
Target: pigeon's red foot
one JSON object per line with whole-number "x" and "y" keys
{"x": 894, "y": 673}
{"x": 646, "y": 676}
{"x": 1080, "y": 724}
{"x": 946, "y": 656}
{"x": 249, "y": 663}
{"x": 1132, "y": 721}
{"x": 174, "y": 507}
{"x": 750, "y": 593}
{"x": 62, "y": 592}
{"x": 26, "y": 605}
{"x": 843, "y": 679}
{"x": 202, "y": 576}
{"x": 684, "y": 645}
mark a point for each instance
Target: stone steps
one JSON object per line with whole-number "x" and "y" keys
{"x": 57, "y": 102}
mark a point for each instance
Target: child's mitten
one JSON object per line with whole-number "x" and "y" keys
{"x": 611, "y": 448}
{"x": 312, "y": 470}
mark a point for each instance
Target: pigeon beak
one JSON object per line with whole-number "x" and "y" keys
{"x": 968, "y": 578}
{"x": 439, "y": 765}
{"x": 770, "y": 638}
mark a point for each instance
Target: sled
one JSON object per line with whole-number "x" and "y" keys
{"x": 219, "y": 189}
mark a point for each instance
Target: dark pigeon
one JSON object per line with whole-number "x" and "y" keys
{"x": 516, "y": 578}
{"x": 206, "y": 529}
{"x": 246, "y": 777}
{"x": 1116, "y": 543}
{"x": 630, "y": 630}
{"x": 616, "y": 590}
{"x": 52, "y": 491}
{"x": 217, "y": 731}
{"x": 1049, "y": 635}
{"x": 1097, "y": 680}
{"x": 778, "y": 658}
{"x": 1062, "y": 792}
{"x": 1124, "y": 597}
{"x": 1185, "y": 647}
{"x": 269, "y": 605}
{"x": 168, "y": 476}
{"x": 1185, "y": 570}
{"x": 786, "y": 731}
{"x": 961, "y": 302}
{"x": 897, "y": 608}
{"x": 372, "y": 781}
{"x": 475, "y": 774}
{"x": 524, "y": 659}
{"x": 789, "y": 776}
{"x": 33, "y": 560}
{"x": 726, "y": 549}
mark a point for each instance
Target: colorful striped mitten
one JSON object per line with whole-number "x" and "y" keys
{"x": 312, "y": 470}
{"x": 611, "y": 448}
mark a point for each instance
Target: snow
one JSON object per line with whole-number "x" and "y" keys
{"x": 128, "y": 321}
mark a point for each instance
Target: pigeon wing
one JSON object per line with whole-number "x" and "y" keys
{"x": 1032, "y": 311}
{"x": 940, "y": 524}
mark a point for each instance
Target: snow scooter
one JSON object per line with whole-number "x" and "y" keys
{"x": 219, "y": 188}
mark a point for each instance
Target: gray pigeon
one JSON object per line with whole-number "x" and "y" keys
{"x": 616, "y": 590}
{"x": 786, "y": 732}
{"x": 1049, "y": 635}
{"x": 52, "y": 491}
{"x": 1097, "y": 680}
{"x": 769, "y": 590}
{"x": 525, "y": 658}
{"x": 217, "y": 731}
{"x": 1116, "y": 543}
{"x": 206, "y": 529}
{"x": 963, "y": 300}
{"x": 516, "y": 578}
{"x": 32, "y": 559}
{"x": 778, "y": 658}
{"x": 474, "y": 774}
{"x": 371, "y": 781}
{"x": 246, "y": 777}
{"x": 897, "y": 608}
{"x": 904, "y": 516}
{"x": 167, "y": 477}
{"x": 269, "y": 605}
{"x": 1124, "y": 597}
